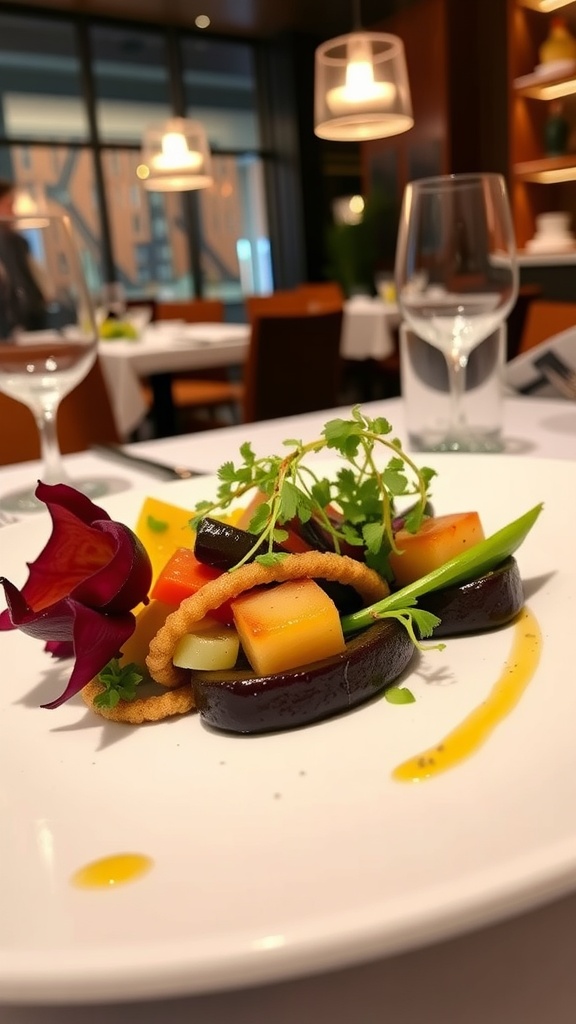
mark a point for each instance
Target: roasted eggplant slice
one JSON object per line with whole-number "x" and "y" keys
{"x": 485, "y": 603}
{"x": 223, "y": 546}
{"x": 240, "y": 702}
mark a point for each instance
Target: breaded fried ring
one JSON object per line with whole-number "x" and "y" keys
{"x": 143, "y": 709}
{"x": 309, "y": 565}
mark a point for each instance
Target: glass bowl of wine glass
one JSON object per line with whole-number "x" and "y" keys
{"x": 457, "y": 281}
{"x": 48, "y": 336}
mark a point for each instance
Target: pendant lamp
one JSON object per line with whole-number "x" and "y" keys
{"x": 175, "y": 156}
{"x": 30, "y": 203}
{"x": 361, "y": 88}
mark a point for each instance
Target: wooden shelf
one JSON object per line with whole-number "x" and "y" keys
{"x": 547, "y": 170}
{"x": 546, "y": 6}
{"x": 540, "y": 87}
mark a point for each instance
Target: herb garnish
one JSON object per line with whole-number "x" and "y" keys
{"x": 399, "y": 695}
{"x": 156, "y": 525}
{"x": 120, "y": 682}
{"x": 364, "y": 491}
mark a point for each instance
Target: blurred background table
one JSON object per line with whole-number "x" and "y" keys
{"x": 368, "y": 328}
{"x": 165, "y": 347}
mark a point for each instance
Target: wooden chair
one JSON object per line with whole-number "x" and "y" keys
{"x": 545, "y": 318}
{"x": 293, "y": 364}
{"x": 325, "y": 296}
{"x": 516, "y": 321}
{"x": 193, "y": 311}
{"x": 279, "y": 302}
{"x": 85, "y": 417}
{"x": 198, "y": 395}
{"x": 322, "y": 295}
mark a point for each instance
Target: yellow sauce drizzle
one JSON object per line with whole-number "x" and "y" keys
{"x": 112, "y": 871}
{"x": 465, "y": 739}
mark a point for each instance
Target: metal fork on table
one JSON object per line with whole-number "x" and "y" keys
{"x": 119, "y": 454}
{"x": 558, "y": 373}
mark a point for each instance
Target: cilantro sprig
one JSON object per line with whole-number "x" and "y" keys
{"x": 120, "y": 682}
{"x": 363, "y": 490}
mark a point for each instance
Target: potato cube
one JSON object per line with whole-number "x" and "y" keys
{"x": 286, "y": 626}
{"x": 210, "y": 647}
{"x": 439, "y": 539}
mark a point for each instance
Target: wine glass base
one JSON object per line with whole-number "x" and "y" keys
{"x": 489, "y": 442}
{"x": 24, "y": 501}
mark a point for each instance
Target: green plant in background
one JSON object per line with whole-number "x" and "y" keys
{"x": 357, "y": 251}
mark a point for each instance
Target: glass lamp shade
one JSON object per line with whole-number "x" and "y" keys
{"x": 31, "y": 207}
{"x": 361, "y": 88}
{"x": 175, "y": 156}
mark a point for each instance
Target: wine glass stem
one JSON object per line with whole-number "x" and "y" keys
{"x": 53, "y": 471}
{"x": 457, "y": 363}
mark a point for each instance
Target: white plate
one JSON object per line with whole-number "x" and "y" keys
{"x": 282, "y": 855}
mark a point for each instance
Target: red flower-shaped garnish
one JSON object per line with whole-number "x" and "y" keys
{"x": 82, "y": 587}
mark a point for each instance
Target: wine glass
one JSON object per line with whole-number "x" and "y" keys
{"x": 456, "y": 279}
{"x": 48, "y": 337}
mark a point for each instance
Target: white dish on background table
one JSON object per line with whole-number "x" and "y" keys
{"x": 281, "y": 855}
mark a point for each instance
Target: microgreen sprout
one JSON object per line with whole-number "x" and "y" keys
{"x": 120, "y": 682}
{"x": 363, "y": 490}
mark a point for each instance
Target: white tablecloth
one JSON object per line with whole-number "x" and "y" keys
{"x": 367, "y": 327}
{"x": 165, "y": 347}
{"x": 517, "y": 972}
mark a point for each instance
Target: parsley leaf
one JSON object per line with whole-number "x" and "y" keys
{"x": 120, "y": 682}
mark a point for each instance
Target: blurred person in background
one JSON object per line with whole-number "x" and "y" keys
{"x": 22, "y": 303}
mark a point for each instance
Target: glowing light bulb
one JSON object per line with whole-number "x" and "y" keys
{"x": 356, "y": 204}
{"x": 360, "y": 91}
{"x": 175, "y": 155}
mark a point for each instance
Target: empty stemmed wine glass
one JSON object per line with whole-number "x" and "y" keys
{"x": 457, "y": 279}
{"x": 48, "y": 337}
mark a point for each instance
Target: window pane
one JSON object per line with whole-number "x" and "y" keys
{"x": 149, "y": 242}
{"x": 63, "y": 176}
{"x": 235, "y": 254}
{"x": 40, "y": 82}
{"x": 131, "y": 81}
{"x": 220, "y": 91}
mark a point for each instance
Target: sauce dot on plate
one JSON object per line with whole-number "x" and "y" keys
{"x": 109, "y": 872}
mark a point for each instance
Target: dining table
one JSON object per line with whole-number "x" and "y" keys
{"x": 165, "y": 347}
{"x": 368, "y": 327}
{"x": 517, "y": 969}
{"x": 160, "y": 349}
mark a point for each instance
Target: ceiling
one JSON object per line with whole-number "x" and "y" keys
{"x": 251, "y": 18}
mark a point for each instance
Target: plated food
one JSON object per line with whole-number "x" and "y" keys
{"x": 287, "y": 599}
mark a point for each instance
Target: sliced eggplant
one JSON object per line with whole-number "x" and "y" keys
{"x": 485, "y": 603}
{"x": 223, "y": 546}
{"x": 240, "y": 702}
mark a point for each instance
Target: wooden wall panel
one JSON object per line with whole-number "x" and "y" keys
{"x": 425, "y": 149}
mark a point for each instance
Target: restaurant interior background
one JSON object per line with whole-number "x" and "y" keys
{"x": 79, "y": 81}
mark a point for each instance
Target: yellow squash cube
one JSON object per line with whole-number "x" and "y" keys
{"x": 162, "y": 528}
{"x": 286, "y": 626}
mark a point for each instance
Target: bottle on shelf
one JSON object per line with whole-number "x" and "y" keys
{"x": 556, "y": 130}
{"x": 559, "y": 45}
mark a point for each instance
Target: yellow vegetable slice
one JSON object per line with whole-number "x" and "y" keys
{"x": 209, "y": 647}
{"x": 287, "y": 626}
{"x": 162, "y": 528}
